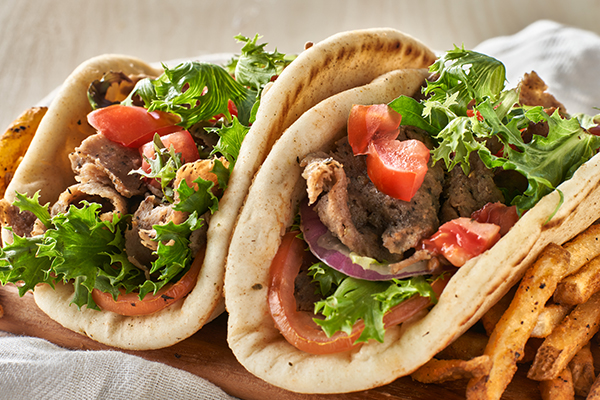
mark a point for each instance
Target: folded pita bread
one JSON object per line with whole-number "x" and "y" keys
{"x": 270, "y": 206}
{"x": 319, "y": 72}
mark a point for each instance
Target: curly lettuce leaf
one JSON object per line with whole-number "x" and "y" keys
{"x": 33, "y": 205}
{"x": 356, "y": 299}
{"x": 230, "y": 141}
{"x": 174, "y": 253}
{"x": 78, "y": 243}
{"x": 163, "y": 166}
{"x": 19, "y": 263}
{"x": 545, "y": 161}
{"x": 198, "y": 201}
{"x": 468, "y": 75}
{"x": 196, "y": 92}
{"x": 414, "y": 114}
{"x": 255, "y": 67}
{"x": 222, "y": 172}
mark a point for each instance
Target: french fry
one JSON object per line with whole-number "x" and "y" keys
{"x": 580, "y": 286}
{"x": 560, "y": 388}
{"x": 550, "y": 318}
{"x": 566, "y": 340}
{"x": 507, "y": 342}
{"x": 438, "y": 371}
{"x": 582, "y": 369}
{"x": 467, "y": 346}
{"x": 595, "y": 349}
{"x": 583, "y": 248}
{"x": 594, "y": 393}
{"x": 15, "y": 142}
{"x": 493, "y": 315}
{"x": 1, "y": 311}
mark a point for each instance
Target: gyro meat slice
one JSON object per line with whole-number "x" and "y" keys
{"x": 112, "y": 202}
{"x": 98, "y": 159}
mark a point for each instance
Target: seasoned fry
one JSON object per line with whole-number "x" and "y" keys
{"x": 437, "y": 371}
{"x": 566, "y": 340}
{"x": 595, "y": 349}
{"x": 467, "y": 346}
{"x": 583, "y": 248}
{"x": 15, "y": 141}
{"x": 549, "y": 319}
{"x": 1, "y": 311}
{"x": 582, "y": 369}
{"x": 493, "y": 315}
{"x": 507, "y": 342}
{"x": 580, "y": 286}
{"x": 560, "y": 388}
{"x": 594, "y": 393}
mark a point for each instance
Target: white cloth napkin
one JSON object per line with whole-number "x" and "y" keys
{"x": 32, "y": 368}
{"x": 566, "y": 58}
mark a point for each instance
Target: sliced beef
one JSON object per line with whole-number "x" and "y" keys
{"x": 22, "y": 223}
{"x": 139, "y": 240}
{"x": 112, "y": 202}
{"x": 98, "y": 159}
{"x": 464, "y": 194}
{"x": 533, "y": 93}
{"x": 369, "y": 222}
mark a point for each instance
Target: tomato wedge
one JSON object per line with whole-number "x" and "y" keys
{"x": 181, "y": 141}
{"x": 129, "y": 304}
{"x": 132, "y": 126}
{"x": 369, "y": 123}
{"x": 499, "y": 214}
{"x": 298, "y": 327}
{"x": 397, "y": 168}
{"x": 461, "y": 239}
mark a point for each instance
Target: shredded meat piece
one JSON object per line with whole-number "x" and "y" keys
{"x": 22, "y": 223}
{"x": 139, "y": 240}
{"x": 199, "y": 169}
{"x": 533, "y": 93}
{"x": 112, "y": 202}
{"x": 100, "y": 160}
{"x": 464, "y": 194}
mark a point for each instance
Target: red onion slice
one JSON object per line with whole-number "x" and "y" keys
{"x": 329, "y": 249}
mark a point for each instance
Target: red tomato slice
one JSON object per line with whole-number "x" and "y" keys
{"x": 298, "y": 327}
{"x": 130, "y": 304}
{"x": 132, "y": 126}
{"x": 369, "y": 123}
{"x": 461, "y": 239}
{"x": 397, "y": 168}
{"x": 181, "y": 141}
{"x": 499, "y": 214}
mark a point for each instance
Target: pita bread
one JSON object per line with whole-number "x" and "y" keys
{"x": 323, "y": 70}
{"x": 268, "y": 212}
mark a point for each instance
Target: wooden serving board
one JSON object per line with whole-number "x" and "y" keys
{"x": 207, "y": 355}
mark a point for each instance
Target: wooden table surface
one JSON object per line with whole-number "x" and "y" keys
{"x": 207, "y": 355}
